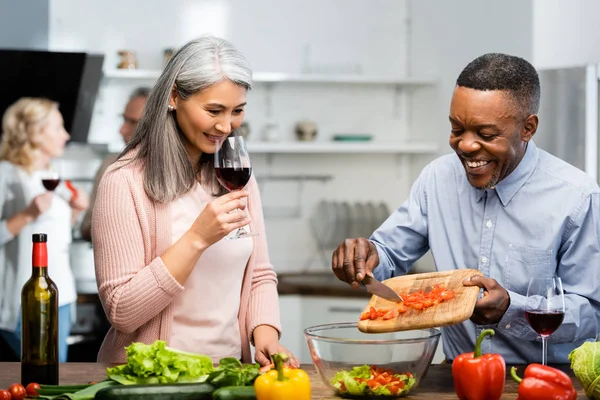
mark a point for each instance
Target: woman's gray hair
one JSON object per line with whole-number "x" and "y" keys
{"x": 198, "y": 65}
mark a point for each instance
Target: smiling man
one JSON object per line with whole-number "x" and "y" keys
{"x": 500, "y": 205}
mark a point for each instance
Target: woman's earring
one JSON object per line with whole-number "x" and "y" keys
{"x": 170, "y": 108}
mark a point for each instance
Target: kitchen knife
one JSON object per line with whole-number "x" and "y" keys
{"x": 380, "y": 289}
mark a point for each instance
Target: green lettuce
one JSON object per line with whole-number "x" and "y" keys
{"x": 231, "y": 372}
{"x": 354, "y": 382}
{"x": 351, "y": 384}
{"x": 585, "y": 363}
{"x": 157, "y": 363}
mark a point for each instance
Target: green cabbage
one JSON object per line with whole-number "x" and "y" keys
{"x": 585, "y": 363}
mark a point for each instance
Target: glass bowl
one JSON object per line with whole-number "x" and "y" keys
{"x": 345, "y": 359}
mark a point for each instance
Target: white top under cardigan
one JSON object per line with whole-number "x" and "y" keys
{"x": 205, "y": 314}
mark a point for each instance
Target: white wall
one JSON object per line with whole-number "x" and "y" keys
{"x": 566, "y": 33}
{"x": 449, "y": 34}
{"x": 336, "y": 36}
{"x": 24, "y": 24}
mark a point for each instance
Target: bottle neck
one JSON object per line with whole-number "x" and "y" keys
{"x": 40, "y": 259}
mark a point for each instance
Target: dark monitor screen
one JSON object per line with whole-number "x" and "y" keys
{"x": 71, "y": 79}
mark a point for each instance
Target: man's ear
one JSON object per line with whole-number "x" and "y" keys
{"x": 529, "y": 127}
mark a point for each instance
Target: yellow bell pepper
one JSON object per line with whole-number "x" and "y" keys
{"x": 282, "y": 382}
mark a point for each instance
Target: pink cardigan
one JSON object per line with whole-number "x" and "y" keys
{"x": 130, "y": 232}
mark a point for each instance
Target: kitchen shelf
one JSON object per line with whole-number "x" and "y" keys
{"x": 303, "y": 178}
{"x": 132, "y": 73}
{"x": 341, "y": 148}
{"x": 276, "y": 77}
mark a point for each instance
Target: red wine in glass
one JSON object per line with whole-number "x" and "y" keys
{"x": 51, "y": 183}
{"x": 50, "y": 179}
{"x": 545, "y": 309}
{"x": 545, "y": 322}
{"x": 233, "y": 178}
{"x": 233, "y": 170}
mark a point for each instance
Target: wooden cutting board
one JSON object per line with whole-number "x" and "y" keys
{"x": 449, "y": 312}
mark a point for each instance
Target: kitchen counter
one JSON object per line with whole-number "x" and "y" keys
{"x": 317, "y": 284}
{"x": 437, "y": 383}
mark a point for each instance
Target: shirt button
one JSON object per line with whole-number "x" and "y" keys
{"x": 489, "y": 223}
{"x": 507, "y": 326}
{"x": 484, "y": 259}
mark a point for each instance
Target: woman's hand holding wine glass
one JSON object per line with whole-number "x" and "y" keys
{"x": 217, "y": 219}
{"x": 545, "y": 308}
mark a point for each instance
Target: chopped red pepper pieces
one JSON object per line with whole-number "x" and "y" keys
{"x": 418, "y": 300}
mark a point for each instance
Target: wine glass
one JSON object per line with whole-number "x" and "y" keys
{"x": 233, "y": 169}
{"x": 545, "y": 308}
{"x": 50, "y": 178}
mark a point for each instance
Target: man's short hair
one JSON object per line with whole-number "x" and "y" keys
{"x": 496, "y": 71}
{"x": 140, "y": 92}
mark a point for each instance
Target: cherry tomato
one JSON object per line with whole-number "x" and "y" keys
{"x": 5, "y": 395}
{"x": 17, "y": 391}
{"x": 32, "y": 389}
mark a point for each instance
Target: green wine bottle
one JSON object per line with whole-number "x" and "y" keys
{"x": 39, "y": 323}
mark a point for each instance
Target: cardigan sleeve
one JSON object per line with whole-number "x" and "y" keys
{"x": 263, "y": 307}
{"x": 132, "y": 293}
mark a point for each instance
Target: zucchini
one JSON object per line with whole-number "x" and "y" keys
{"x": 47, "y": 390}
{"x": 235, "y": 393}
{"x": 175, "y": 391}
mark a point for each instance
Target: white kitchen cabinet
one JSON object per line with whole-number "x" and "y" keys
{"x": 292, "y": 336}
{"x": 300, "y": 312}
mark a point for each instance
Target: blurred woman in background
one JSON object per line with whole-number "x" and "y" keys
{"x": 33, "y": 134}
{"x": 162, "y": 266}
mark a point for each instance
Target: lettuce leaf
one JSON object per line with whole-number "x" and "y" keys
{"x": 157, "y": 363}
{"x": 355, "y": 382}
{"x": 351, "y": 385}
{"x": 231, "y": 372}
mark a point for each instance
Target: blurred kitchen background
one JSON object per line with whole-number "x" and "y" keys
{"x": 350, "y": 101}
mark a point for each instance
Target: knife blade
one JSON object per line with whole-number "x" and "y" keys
{"x": 380, "y": 289}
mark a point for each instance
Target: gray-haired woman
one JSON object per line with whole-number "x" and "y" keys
{"x": 163, "y": 271}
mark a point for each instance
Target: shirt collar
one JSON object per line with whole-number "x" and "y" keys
{"x": 509, "y": 186}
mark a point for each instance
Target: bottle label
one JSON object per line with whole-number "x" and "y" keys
{"x": 40, "y": 255}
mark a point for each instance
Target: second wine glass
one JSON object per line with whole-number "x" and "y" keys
{"x": 50, "y": 179}
{"x": 233, "y": 170}
{"x": 545, "y": 308}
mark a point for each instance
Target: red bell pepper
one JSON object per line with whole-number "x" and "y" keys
{"x": 477, "y": 376}
{"x": 72, "y": 189}
{"x": 544, "y": 383}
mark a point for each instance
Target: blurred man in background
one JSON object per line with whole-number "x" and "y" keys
{"x": 131, "y": 116}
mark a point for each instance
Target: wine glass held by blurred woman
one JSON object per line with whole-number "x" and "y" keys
{"x": 160, "y": 215}
{"x": 33, "y": 134}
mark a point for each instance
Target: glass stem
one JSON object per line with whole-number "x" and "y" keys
{"x": 544, "y": 350}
